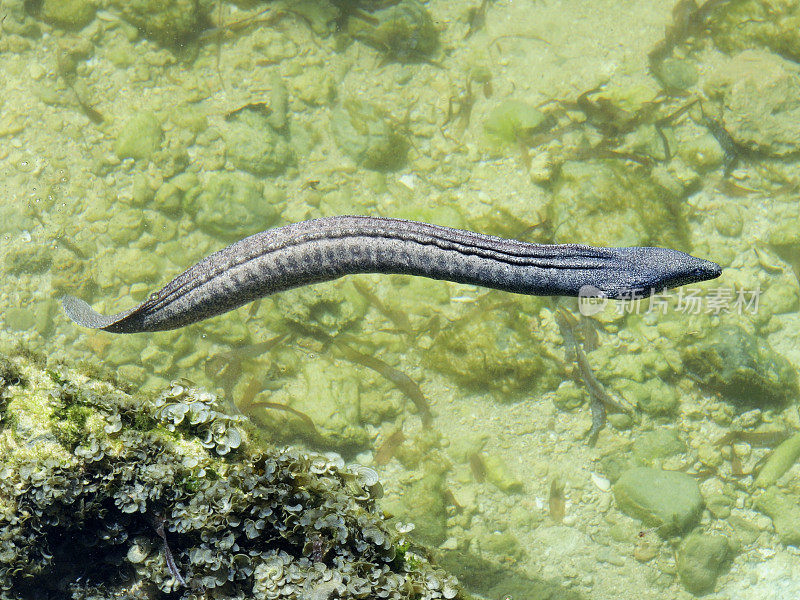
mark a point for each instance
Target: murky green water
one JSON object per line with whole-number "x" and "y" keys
{"x": 138, "y": 137}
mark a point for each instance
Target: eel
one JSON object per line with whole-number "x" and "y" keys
{"x": 331, "y": 247}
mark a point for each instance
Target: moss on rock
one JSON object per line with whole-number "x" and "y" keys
{"x": 168, "y": 22}
{"x": 107, "y": 495}
{"x": 746, "y": 370}
{"x": 69, "y": 14}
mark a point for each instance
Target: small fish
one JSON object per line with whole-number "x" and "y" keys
{"x": 557, "y": 501}
{"x": 387, "y": 449}
{"x": 477, "y": 466}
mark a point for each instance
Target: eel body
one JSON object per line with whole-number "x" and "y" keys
{"x": 327, "y": 248}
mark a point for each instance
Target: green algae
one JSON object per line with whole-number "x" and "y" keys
{"x": 404, "y": 32}
{"x": 513, "y": 121}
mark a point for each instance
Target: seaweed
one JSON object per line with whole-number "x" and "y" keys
{"x": 688, "y": 20}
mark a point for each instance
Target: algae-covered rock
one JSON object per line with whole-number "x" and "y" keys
{"x": 701, "y": 558}
{"x": 18, "y": 319}
{"x": 494, "y": 350}
{"x": 404, "y": 32}
{"x": 653, "y": 396}
{"x": 28, "y": 258}
{"x": 746, "y": 370}
{"x": 652, "y": 446}
{"x": 328, "y": 398}
{"x": 500, "y": 475}
{"x": 231, "y": 206}
{"x": 601, "y": 202}
{"x": 780, "y": 461}
{"x": 677, "y": 74}
{"x": 784, "y": 512}
{"x": 169, "y": 22}
{"x": 69, "y": 14}
{"x": 421, "y": 501}
{"x": 773, "y": 24}
{"x": 170, "y": 498}
{"x": 365, "y": 134}
{"x": 330, "y": 308}
{"x": 669, "y": 500}
{"x": 140, "y": 137}
{"x": 253, "y": 145}
{"x": 760, "y": 95}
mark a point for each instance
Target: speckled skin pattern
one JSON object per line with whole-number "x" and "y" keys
{"x": 328, "y": 248}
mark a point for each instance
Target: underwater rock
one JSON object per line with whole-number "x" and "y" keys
{"x": 366, "y": 135}
{"x": 500, "y": 476}
{"x": 322, "y": 16}
{"x": 30, "y": 259}
{"x": 784, "y": 512}
{"x": 422, "y": 502}
{"x": 170, "y": 498}
{"x": 330, "y": 308}
{"x": 18, "y": 319}
{"x": 677, "y": 74}
{"x": 328, "y": 396}
{"x": 773, "y": 24}
{"x": 253, "y": 145}
{"x": 404, "y": 32}
{"x": 69, "y": 14}
{"x": 668, "y": 500}
{"x": 746, "y": 370}
{"x": 781, "y": 460}
{"x": 608, "y": 203}
{"x": 168, "y": 22}
{"x": 760, "y": 94}
{"x": 494, "y": 350}
{"x": 654, "y": 396}
{"x": 69, "y": 274}
{"x": 140, "y": 137}
{"x": 231, "y": 206}
{"x": 129, "y": 266}
{"x": 652, "y": 446}
{"x": 700, "y": 560}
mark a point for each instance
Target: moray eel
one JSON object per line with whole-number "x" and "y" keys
{"x": 328, "y": 248}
